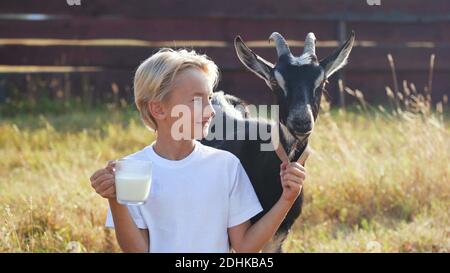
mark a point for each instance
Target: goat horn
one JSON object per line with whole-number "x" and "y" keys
{"x": 280, "y": 43}
{"x": 310, "y": 44}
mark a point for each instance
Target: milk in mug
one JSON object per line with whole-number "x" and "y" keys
{"x": 133, "y": 179}
{"x": 132, "y": 189}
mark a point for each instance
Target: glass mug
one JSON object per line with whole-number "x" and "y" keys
{"x": 133, "y": 179}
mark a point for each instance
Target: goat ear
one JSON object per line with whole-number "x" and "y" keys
{"x": 338, "y": 59}
{"x": 253, "y": 62}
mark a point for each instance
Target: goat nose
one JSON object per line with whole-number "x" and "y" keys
{"x": 303, "y": 127}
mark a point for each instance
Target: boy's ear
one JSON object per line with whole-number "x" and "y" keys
{"x": 156, "y": 109}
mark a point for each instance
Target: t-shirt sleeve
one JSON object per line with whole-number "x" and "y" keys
{"x": 244, "y": 203}
{"x": 135, "y": 214}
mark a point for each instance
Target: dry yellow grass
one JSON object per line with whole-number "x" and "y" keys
{"x": 376, "y": 182}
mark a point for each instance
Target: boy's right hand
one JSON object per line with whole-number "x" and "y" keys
{"x": 103, "y": 181}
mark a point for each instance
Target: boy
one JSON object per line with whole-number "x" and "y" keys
{"x": 201, "y": 199}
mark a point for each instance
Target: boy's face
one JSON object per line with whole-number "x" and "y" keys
{"x": 187, "y": 109}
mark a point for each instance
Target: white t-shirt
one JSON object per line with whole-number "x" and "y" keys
{"x": 194, "y": 200}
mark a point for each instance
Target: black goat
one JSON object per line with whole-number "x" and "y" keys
{"x": 298, "y": 84}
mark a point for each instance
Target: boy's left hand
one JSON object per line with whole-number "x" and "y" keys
{"x": 292, "y": 177}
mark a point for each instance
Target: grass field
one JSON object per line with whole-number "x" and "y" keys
{"x": 376, "y": 182}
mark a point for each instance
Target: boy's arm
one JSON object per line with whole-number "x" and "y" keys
{"x": 252, "y": 238}
{"x": 129, "y": 236}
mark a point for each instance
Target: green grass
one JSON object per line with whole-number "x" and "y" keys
{"x": 375, "y": 182}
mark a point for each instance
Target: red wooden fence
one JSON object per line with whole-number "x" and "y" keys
{"x": 85, "y": 49}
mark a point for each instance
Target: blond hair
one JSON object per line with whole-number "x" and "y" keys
{"x": 154, "y": 77}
